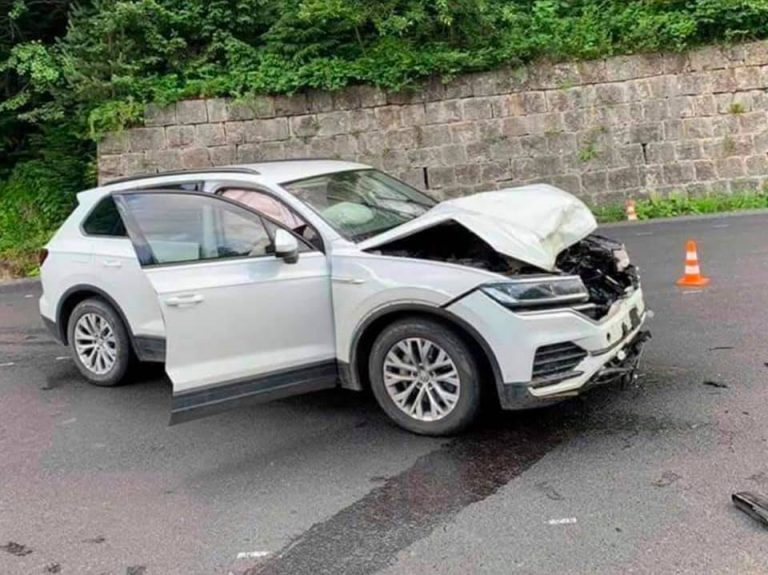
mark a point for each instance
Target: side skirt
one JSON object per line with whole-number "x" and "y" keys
{"x": 210, "y": 400}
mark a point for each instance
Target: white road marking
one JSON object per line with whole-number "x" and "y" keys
{"x": 644, "y": 234}
{"x": 68, "y": 421}
{"x": 692, "y": 291}
{"x": 62, "y": 357}
{"x": 563, "y": 521}
{"x": 7, "y": 364}
{"x": 29, "y": 296}
{"x": 721, "y": 225}
{"x": 253, "y": 554}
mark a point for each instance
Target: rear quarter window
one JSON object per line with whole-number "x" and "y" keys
{"x": 105, "y": 220}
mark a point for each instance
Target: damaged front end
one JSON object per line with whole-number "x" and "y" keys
{"x": 604, "y": 267}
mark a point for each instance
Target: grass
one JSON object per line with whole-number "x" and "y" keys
{"x": 21, "y": 260}
{"x": 681, "y": 205}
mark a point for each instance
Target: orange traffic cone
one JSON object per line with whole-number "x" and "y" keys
{"x": 692, "y": 276}
{"x": 631, "y": 213}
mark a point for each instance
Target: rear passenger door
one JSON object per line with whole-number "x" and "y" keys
{"x": 241, "y": 324}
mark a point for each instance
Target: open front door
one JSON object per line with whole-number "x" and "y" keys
{"x": 242, "y": 325}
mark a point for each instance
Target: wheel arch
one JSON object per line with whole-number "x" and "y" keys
{"x": 81, "y": 292}
{"x": 355, "y": 374}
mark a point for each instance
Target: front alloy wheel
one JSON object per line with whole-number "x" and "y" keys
{"x": 425, "y": 377}
{"x": 421, "y": 379}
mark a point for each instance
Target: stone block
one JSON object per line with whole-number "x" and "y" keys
{"x": 442, "y": 112}
{"x": 208, "y": 135}
{"x": 688, "y": 150}
{"x": 110, "y": 167}
{"x": 694, "y": 83}
{"x": 293, "y": 105}
{"x": 304, "y": 126}
{"x": 413, "y": 115}
{"x": 222, "y": 155}
{"x": 361, "y": 120}
{"x": 704, "y": 170}
{"x": 191, "y": 112}
{"x": 319, "y": 101}
{"x": 434, "y": 135}
{"x": 748, "y": 78}
{"x": 266, "y": 130}
{"x": 478, "y": 108}
{"x": 623, "y": 178}
{"x": 180, "y": 136}
{"x": 441, "y": 177}
{"x": 113, "y": 143}
{"x": 463, "y": 133}
{"x": 730, "y": 167}
{"x": 608, "y": 94}
{"x": 389, "y": 117}
{"x": 757, "y": 165}
{"x": 146, "y": 139}
{"x": 168, "y": 160}
{"x": 195, "y": 158}
{"x": 594, "y": 182}
{"x": 155, "y": 115}
{"x": 679, "y": 173}
{"x": 217, "y": 110}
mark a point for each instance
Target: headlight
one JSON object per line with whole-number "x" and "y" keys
{"x": 536, "y": 291}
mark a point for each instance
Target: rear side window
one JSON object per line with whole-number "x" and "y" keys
{"x": 105, "y": 220}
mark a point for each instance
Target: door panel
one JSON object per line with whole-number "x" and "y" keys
{"x": 241, "y": 324}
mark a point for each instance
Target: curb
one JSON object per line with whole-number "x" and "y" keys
{"x": 18, "y": 285}
{"x": 688, "y": 218}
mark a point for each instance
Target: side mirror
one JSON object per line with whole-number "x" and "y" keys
{"x": 286, "y": 247}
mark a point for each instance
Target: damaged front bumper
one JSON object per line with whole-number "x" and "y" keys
{"x": 600, "y": 351}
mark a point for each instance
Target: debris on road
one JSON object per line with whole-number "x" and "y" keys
{"x": 549, "y": 491}
{"x": 717, "y": 384}
{"x": 16, "y": 549}
{"x": 53, "y": 567}
{"x": 136, "y": 570}
{"x": 719, "y": 347}
{"x": 563, "y": 521}
{"x": 667, "y": 478}
{"x": 753, "y": 505}
{"x": 97, "y": 539}
{"x": 253, "y": 554}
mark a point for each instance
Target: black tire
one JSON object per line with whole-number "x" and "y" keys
{"x": 466, "y": 407}
{"x": 117, "y": 374}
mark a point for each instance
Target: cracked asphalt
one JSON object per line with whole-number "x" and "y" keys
{"x": 618, "y": 481}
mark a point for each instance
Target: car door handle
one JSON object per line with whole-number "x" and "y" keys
{"x": 347, "y": 280}
{"x": 112, "y": 263}
{"x": 184, "y": 300}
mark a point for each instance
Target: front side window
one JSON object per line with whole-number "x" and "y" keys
{"x": 277, "y": 210}
{"x": 185, "y": 228}
{"x": 105, "y": 220}
{"x": 361, "y": 203}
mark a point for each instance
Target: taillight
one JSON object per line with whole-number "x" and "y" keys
{"x": 42, "y": 255}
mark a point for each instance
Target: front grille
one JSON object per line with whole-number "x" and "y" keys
{"x": 556, "y": 359}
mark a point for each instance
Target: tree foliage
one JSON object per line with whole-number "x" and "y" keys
{"x": 70, "y": 71}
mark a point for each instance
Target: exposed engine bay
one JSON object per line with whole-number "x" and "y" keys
{"x": 602, "y": 263}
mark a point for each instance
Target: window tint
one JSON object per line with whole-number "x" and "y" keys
{"x": 184, "y": 228}
{"x": 105, "y": 220}
{"x": 278, "y": 211}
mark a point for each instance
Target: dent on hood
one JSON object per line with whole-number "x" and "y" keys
{"x": 502, "y": 231}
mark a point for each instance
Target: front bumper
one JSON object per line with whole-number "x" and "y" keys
{"x": 612, "y": 346}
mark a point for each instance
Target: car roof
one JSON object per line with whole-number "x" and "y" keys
{"x": 280, "y": 172}
{"x": 274, "y": 172}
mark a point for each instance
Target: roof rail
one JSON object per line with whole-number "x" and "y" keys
{"x": 226, "y": 169}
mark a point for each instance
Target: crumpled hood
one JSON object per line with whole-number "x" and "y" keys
{"x": 532, "y": 224}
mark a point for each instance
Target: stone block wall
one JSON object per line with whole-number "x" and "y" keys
{"x": 604, "y": 129}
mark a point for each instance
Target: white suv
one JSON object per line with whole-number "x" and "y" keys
{"x": 263, "y": 281}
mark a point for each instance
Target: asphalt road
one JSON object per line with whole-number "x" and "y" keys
{"x": 620, "y": 481}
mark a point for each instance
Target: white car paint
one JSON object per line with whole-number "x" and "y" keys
{"x": 256, "y": 316}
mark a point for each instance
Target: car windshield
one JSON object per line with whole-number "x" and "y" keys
{"x": 361, "y": 203}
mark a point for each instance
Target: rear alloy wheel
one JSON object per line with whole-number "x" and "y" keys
{"x": 425, "y": 377}
{"x": 99, "y": 343}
